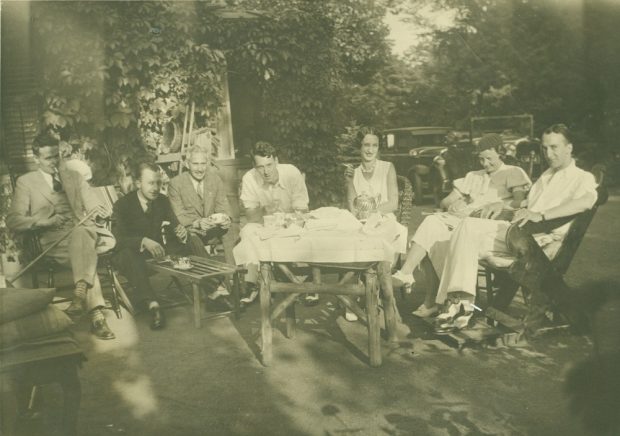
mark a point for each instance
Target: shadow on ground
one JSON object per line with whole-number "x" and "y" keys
{"x": 209, "y": 381}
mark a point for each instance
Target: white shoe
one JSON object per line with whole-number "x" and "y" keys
{"x": 452, "y": 310}
{"x": 400, "y": 279}
{"x": 250, "y": 298}
{"x": 425, "y": 312}
{"x": 350, "y": 316}
{"x": 311, "y": 299}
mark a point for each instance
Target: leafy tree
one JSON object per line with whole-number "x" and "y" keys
{"x": 122, "y": 69}
{"x": 302, "y": 57}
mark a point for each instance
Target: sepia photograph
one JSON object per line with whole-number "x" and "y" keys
{"x": 309, "y": 217}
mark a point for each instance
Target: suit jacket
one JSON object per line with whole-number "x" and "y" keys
{"x": 33, "y": 200}
{"x": 186, "y": 203}
{"x": 130, "y": 224}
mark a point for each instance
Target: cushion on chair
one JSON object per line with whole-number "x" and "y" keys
{"x": 16, "y": 303}
{"x": 45, "y": 322}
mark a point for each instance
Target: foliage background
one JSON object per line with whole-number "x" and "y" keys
{"x": 320, "y": 69}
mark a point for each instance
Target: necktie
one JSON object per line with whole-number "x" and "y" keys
{"x": 56, "y": 183}
{"x": 148, "y": 207}
{"x": 199, "y": 189}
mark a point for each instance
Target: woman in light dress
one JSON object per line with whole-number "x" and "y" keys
{"x": 373, "y": 178}
{"x": 489, "y": 193}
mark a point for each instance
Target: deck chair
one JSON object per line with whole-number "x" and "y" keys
{"x": 536, "y": 271}
{"x": 107, "y": 196}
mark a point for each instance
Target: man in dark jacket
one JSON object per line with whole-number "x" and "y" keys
{"x": 146, "y": 227}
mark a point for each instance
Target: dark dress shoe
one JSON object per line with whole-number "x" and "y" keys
{"x": 100, "y": 329}
{"x": 158, "y": 321}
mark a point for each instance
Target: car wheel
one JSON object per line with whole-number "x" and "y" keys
{"x": 418, "y": 188}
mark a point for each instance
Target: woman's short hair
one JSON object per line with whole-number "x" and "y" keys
{"x": 263, "y": 149}
{"x": 491, "y": 141}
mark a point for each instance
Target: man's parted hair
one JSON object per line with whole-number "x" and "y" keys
{"x": 42, "y": 140}
{"x": 196, "y": 149}
{"x": 145, "y": 166}
{"x": 562, "y": 129}
{"x": 263, "y": 149}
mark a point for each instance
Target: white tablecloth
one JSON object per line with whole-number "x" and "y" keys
{"x": 343, "y": 241}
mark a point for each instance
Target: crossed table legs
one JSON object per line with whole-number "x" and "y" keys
{"x": 375, "y": 273}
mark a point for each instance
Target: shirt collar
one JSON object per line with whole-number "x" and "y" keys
{"x": 196, "y": 183}
{"x": 144, "y": 202}
{"x": 563, "y": 172}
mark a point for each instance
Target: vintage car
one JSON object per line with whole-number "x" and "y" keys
{"x": 412, "y": 150}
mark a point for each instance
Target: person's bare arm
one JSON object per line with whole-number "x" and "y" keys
{"x": 450, "y": 199}
{"x": 573, "y": 207}
{"x": 391, "y": 204}
{"x": 517, "y": 198}
{"x": 351, "y": 194}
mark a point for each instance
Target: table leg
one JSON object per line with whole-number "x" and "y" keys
{"x": 372, "y": 308}
{"x": 197, "y": 312}
{"x": 389, "y": 302}
{"x": 290, "y": 321}
{"x": 265, "y": 303}
{"x": 236, "y": 295}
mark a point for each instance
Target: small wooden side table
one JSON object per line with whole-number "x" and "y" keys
{"x": 202, "y": 269}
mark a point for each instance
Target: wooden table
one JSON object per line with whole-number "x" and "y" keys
{"x": 334, "y": 239}
{"x": 202, "y": 269}
{"x": 377, "y": 274}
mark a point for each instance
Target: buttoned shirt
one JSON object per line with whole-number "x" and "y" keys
{"x": 555, "y": 188}
{"x": 288, "y": 193}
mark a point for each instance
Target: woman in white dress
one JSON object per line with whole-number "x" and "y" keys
{"x": 373, "y": 178}
{"x": 489, "y": 193}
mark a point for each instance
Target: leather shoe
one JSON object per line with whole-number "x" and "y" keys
{"x": 100, "y": 329}
{"x": 158, "y": 321}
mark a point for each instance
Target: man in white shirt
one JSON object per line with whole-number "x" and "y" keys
{"x": 562, "y": 191}
{"x": 267, "y": 188}
{"x": 50, "y": 201}
{"x": 271, "y": 186}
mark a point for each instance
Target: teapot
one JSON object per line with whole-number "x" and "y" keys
{"x": 364, "y": 206}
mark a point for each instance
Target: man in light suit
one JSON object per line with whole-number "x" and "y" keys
{"x": 51, "y": 200}
{"x": 198, "y": 194}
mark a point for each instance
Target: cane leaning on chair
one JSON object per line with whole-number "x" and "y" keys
{"x": 51, "y": 200}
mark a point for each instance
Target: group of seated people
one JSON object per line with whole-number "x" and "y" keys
{"x": 476, "y": 216}
{"x": 145, "y": 224}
